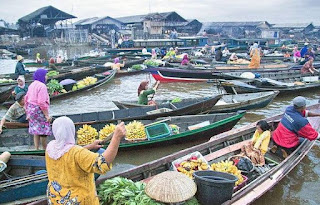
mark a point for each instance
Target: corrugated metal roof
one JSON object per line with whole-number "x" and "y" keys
{"x": 140, "y": 18}
{"x": 232, "y": 24}
{"x": 37, "y": 14}
{"x": 291, "y": 25}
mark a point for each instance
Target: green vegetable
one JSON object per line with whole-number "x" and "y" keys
{"x": 137, "y": 67}
{"x": 54, "y": 86}
{"x": 176, "y": 100}
{"x": 52, "y": 73}
{"x": 122, "y": 191}
{"x": 150, "y": 63}
{"x": 4, "y": 80}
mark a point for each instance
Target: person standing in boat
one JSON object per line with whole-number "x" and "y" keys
{"x": 294, "y": 127}
{"x": 153, "y": 54}
{"x": 308, "y": 67}
{"x": 304, "y": 50}
{"x": 185, "y": 60}
{"x": 255, "y": 56}
{"x": 117, "y": 65}
{"x": 20, "y": 68}
{"x": 296, "y": 55}
{"x": 16, "y": 112}
{"x": 21, "y": 87}
{"x": 143, "y": 92}
{"x": 59, "y": 59}
{"x": 37, "y": 103}
{"x": 218, "y": 56}
{"x": 71, "y": 168}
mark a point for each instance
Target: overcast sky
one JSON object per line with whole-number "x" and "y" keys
{"x": 273, "y": 11}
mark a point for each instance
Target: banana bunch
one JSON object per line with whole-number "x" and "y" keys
{"x": 86, "y": 135}
{"x": 86, "y": 81}
{"x": 106, "y": 130}
{"x": 135, "y": 130}
{"x": 228, "y": 167}
{"x": 191, "y": 165}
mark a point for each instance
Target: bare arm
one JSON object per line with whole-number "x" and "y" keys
{"x": 313, "y": 114}
{"x": 3, "y": 120}
{"x": 112, "y": 149}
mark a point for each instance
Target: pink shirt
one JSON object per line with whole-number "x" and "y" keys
{"x": 297, "y": 54}
{"x": 38, "y": 95}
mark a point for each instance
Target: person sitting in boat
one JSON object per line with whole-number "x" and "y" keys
{"x": 21, "y": 87}
{"x": 218, "y": 55}
{"x": 143, "y": 92}
{"x": 20, "y": 68}
{"x": 16, "y": 112}
{"x": 255, "y": 56}
{"x": 117, "y": 65}
{"x": 38, "y": 59}
{"x": 59, "y": 59}
{"x": 171, "y": 53}
{"x": 225, "y": 52}
{"x": 286, "y": 55}
{"x": 77, "y": 185}
{"x": 294, "y": 127}
{"x": 153, "y": 54}
{"x": 144, "y": 51}
{"x": 176, "y": 50}
{"x": 296, "y": 55}
{"x": 308, "y": 67}
{"x": 185, "y": 60}
{"x": 233, "y": 57}
{"x": 309, "y": 54}
{"x": 304, "y": 50}
{"x": 52, "y": 64}
{"x": 258, "y": 146}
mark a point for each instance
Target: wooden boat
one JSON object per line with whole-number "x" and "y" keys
{"x": 228, "y": 103}
{"x": 19, "y": 181}
{"x": 102, "y": 79}
{"x": 266, "y": 84}
{"x": 214, "y": 124}
{"x": 5, "y": 92}
{"x": 220, "y": 147}
{"x": 46, "y": 64}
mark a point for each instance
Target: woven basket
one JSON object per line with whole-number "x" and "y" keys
{"x": 171, "y": 187}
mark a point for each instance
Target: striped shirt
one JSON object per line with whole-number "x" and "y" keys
{"x": 15, "y": 111}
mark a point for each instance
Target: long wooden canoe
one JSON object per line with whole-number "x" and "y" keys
{"x": 216, "y": 123}
{"x": 228, "y": 103}
{"x": 221, "y": 147}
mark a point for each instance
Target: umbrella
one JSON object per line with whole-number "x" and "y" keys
{"x": 67, "y": 82}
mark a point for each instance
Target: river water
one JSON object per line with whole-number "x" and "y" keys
{"x": 300, "y": 186}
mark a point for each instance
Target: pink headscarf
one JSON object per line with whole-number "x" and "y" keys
{"x": 64, "y": 132}
{"x": 23, "y": 81}
{"x": 116, "y": 60}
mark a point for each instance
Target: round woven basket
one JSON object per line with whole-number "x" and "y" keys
{"x": 171, "y": 187}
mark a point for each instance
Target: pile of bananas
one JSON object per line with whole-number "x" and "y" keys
{"x": 228, "y": 167}
{"x": 86, "y": 81}
{"x": 135, "y": 131}
{"x": 191, "y": 165}
{"x": 106, "y": 130}
{"x": 86, "y": 135}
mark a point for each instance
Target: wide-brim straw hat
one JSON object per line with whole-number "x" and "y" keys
{"x": 19, "y": 57}
{"x": 171, "y": 187}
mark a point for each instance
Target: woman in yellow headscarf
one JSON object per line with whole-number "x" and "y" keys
{"x": 255, "y": 57}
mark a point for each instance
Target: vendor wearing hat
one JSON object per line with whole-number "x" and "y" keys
{"x": 16, "y": 112}
{"x": 20, "y": 68}
{"x": 294, "y": 127}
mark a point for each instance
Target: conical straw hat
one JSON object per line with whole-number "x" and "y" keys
{"x": 171, "y": 187}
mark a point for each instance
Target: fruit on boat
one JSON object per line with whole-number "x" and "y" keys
{"x": 191, "y": 165}
{"x": 135, "y": 130}
{"x": 228, "y": 167}
{"x": 106, "y": 130}
{"x": 86, "y": 135}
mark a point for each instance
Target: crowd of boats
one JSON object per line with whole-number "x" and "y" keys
{"x": 245, "y": 89}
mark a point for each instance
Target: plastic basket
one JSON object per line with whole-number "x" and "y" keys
{"x": 245, "y": 179}
{"x": 158, "y": 131}
{"x": 184, "y": 158}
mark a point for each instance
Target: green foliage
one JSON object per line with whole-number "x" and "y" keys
{"x": 151, "y": 63}
{"x": 137, "y": 67}
{"x": 176, "y": 100}
{"x": 52, "y": 73}
{"x": 54, "y": 86}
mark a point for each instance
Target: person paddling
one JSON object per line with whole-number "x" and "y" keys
{"x": 143, "y": 92}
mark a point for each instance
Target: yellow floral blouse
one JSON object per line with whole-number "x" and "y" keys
{"x": 71, "y": 177}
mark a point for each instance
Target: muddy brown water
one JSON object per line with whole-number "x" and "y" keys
{"x": 300, "y": 186}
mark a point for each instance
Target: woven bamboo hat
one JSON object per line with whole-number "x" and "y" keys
{"x": 171, "y": 187}
{"x": 19, "y": 58}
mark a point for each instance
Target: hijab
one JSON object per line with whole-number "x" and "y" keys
{"x": 185, "y": 57}
{"x": 23, "y": 81}
{"x": 64, "y": 133}
{"x": 142, "y": 86}
{"x": 116, "y": 60}
{"x": 255, "y": 45}
{"x": 40, "y": 75}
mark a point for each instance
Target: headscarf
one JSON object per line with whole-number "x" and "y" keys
{"x": 185, "y": 57}
{"x": 40, "y": 75}
{"x": 233, "y": 55}
{"x": 116, "y": 60}
{"x": 255, "y": 45}
{"x": 64, "y": 132}
{"x": 153, "y": 52}
{"x": 38, "y": 55}
{"x": 142, "y": 86}
{"x": 23, "y": 81}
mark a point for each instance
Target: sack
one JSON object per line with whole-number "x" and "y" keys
{"x": 245, "y": 165}
{"x": 254, "y": 155}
